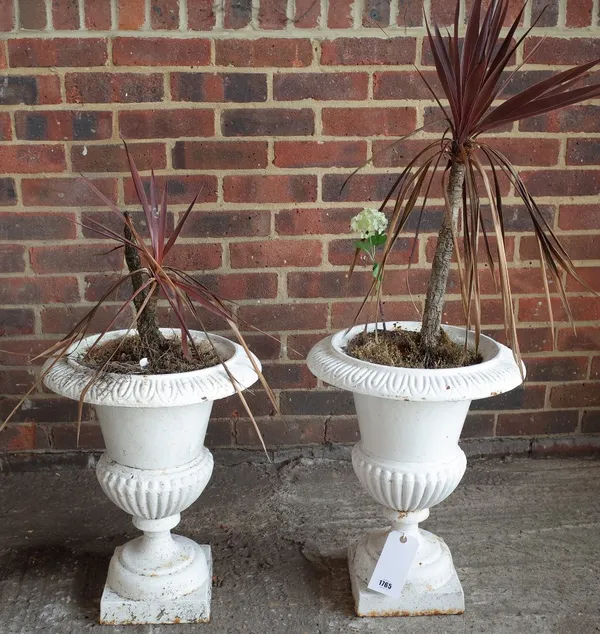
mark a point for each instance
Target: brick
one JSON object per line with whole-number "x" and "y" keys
{"x": 64, "y": 436}
{"x": 556, "y": 368}
{"x": 343, "y": 314}
{"x": 537, "y": 423}
{"x": 571, "y": 119}
{"x": 201, "y": 15}
{"x": 575, "y": 217}
{"x": 12, "y": 258}
{"x": 575, "y": 395}
{"x": 328, "y": 284}
{"x": 410, "y": 13}
{"x": 279, "y": 317}
{"x": 58, "y": 320}
{"x": 563, "y": 51}
{"x": 132, "y": 14}
{"x": 3, "y": 57}
{"x": 219, "y": 224}
{"x": 478, "y": 426}
{"x": 16, "y": 381}
{"x": 376, "y": 13}
{"x": 113, "y": 87}
{"x": 39, "y": 290}
{"x": 320, "y": 86}
{"x": 360, "y": 188}
{"x": 238, "y": 14}
{"x": 62, "y": 125}
{"x": 368, "y": 121}
{"x": 22, "y": 437}
{"x": 270, "y": 188}
{"x": 267, "y": 52}
{"x": 299, "y": 345}
{"x": 442, "y": 13}
{"x": 404, "y": 85}
{"x": 8, "y": 193}
{"x": 526, "y": 151}
{"x": 317, "y": 403}
{"x": 534, "y": 309}
{"x": 584, "y": 247}
{"x": 342, "y": 429}
{"x": 590, "y": 275}
{"x": 97, "y": 15}
{"x": 227, "y": 155}
{"x": 272, "y": 14}
{"x": 5, "y": 127}
{"x": 562, "y": 182}
{"x": 219, "y": 434}
{"x": 16, "y": 321}
{"x": 112, "y": 158}
{"x": 583, "y": 152}
{"x": 180, "y": 189}
{"x": 584, "y": 338}
{"x": 20, "y": 352}
{"x": 160, "y": 51}
{"x": 288, "y": 376}
{"x": 307, "y": 14}
{"x": 267, "y": 122}
{"x": 32, "y": 15}
{"x": 42, "y": 53}
{"x": 76, "y": 258}
{"x": 511, "y": 15}
{"x": 66, "y": 192}
{"x": 300, "y": 221}
{"x": 7, "y": 16}
{"x": 277, "y": 434}
{"x": 346, "y": 51}
{"x": 491, "y": 312}
{"x": 152, "y": 124}
{"x": 590, "y": 422}
{"x": 579, "y": 13}
{"x": 523, "y": 397}
{"x": 545, "y": 12}
{"x": 389, "y": 154}
{"x": 164, "y": 14}
{"x": 263, "y": 346}
{"x": 29, "y": 159}
{"x": 45, "y": 409}
{"x": 320, "y": 154}
{"x": 29, "y": 90}
{"x": 195, "y": 257}
{"x": 37, "y": 226}
{"x": 236, "y": 286}
{"x": 509, "y": 246}
{"x": 283, "y": 253}
{"x": 65, "y": 15}
{"x": 339, "y": 15}
{"x": 219, "y": 87}
{"x": 341, "y": 252}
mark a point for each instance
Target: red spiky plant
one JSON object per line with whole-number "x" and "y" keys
{"x": 150, "y": 274}
{"x": 472, "y": 74}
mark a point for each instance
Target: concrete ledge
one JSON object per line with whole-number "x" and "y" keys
{"x": 584, "y": 445}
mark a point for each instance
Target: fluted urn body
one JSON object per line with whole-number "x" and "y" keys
{"x": 155, "y": 466}
{"x": 408, "y": 458}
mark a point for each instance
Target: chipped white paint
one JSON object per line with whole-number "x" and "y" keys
{"x": 408, "y": 458}
{"x": 155, "y": 466}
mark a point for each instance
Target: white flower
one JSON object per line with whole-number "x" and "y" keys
{"x": 144, "y": 363}
{"x": 369, "y": 222}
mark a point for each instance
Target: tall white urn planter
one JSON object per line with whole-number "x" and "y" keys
{"x": 154, "y": 467}
{"x": 408, "y": 458}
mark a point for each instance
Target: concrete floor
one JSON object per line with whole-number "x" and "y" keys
{"x": 525, "y": 536}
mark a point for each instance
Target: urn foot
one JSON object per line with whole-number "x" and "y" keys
{"x": 193, "y": 607}
{"x": 415, "y": 599}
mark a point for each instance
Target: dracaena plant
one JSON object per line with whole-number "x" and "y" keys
{"x": 150, "y": 274}
{"x": 472, "y": 72}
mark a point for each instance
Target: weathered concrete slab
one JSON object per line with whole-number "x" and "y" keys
{"x": 524, "y": 534}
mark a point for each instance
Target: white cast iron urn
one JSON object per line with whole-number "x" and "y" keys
{"x": 408, "y": 458}
{"x": 155, "y": 466}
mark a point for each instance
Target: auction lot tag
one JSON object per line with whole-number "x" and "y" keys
{"x": 392, "y": 568}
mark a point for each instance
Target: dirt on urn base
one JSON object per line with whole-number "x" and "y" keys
{"x": 400, "y": 348}
{"x": 170, "y": 359}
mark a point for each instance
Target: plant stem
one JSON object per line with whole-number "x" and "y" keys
{"x": 147, "y": 323}
{"x": 436, "y": 289}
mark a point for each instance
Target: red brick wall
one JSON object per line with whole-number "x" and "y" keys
{"x": 269, "y": 108}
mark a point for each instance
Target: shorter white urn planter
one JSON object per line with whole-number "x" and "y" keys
{"x": 155, "y": 466}
{"x": 408, "y": 458}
